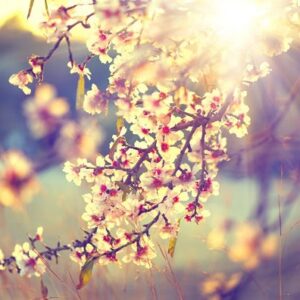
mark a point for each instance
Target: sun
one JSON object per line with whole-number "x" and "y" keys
{"x": 236, "y": 20}
{"x": 234, "y": 17}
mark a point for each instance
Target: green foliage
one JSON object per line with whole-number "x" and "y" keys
{"x": 80, "y": 92}
{"x": 30, "y": 8}
{"x": 86, "y": 273}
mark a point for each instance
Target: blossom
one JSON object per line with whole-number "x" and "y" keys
{"x": 37, "y": 64}
{"x": 105, "y": 206}
{"x": 172, "y": 205}
{"x": 143, "y": 129}
{"x": 77, "y": 172}
{"x": 79, "y": 139}
{"x": 79, "y": 69}
{"x": 99, "y": 43}
{"x": 17, "y": 179}
{"x": 81, "y": 254}
{"x": 156, "y": 176}
{"x": 167, "y": 152}
{"x": 45, "y": 111}
{"x": 22, "y": 79}
{"x": 212, "y": 101}
{"x": 160, "y": 102}
{"x": 95, "y": 101}
{"x": 39, "y": 234}
{"x": 251, "y": 246}
{"x": 253, "y": 73}
{"x": 142, "y": 254}
{"x": 56, "y": 24}
{"x": 93, "y": 215}
{"x": 209, "y": 187}
{"x": 169, "y": 230}
{"x": 237, "y": 119}
{"x": 165, "y": 134}
{"x": 28, "y": 261}
{"x": 214, "y": 285}
{"x": 110, "y": 12}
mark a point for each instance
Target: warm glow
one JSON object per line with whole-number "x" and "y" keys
{"x": 19, "y": 9}
{"x": 234, "y": 16}
{"x": 235, "y": 20}
{"x": 11, "y": 9}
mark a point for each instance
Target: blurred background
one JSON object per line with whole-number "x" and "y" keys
{"x": 259, "y": 189}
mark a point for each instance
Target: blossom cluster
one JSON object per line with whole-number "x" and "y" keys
{"x": 176, "y": 90}
{"x": 216, "y": 286}
{"x": 49, "y": 121}
{"x": 25, "y": 257}
{"x": 18, "y": 183}
{"x": 171, "y": 163}
{"x": 245, "y": 243}
{"x": 48, "y": 115}
{"x": 45, "y": 111}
